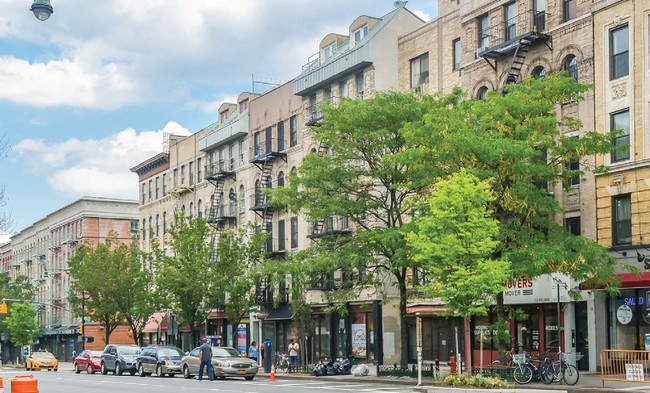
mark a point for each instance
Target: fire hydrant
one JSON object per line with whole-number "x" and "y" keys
{"x": 452, "y": 364}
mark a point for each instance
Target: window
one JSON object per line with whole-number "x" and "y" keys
{"x": 622, "y": 220}
{"x": 144, "y": 229}
{"x": 280, "y": 133}
{"x": 572, "y": 224}
{"x": 293, "y": 131}
{"x": 222, "y": 159}
{"x": 343, "y": 89}
{"x": 231, "y": 157}
{"x": 456, "y": 52}
{"x": 570, "y": 64}
{"x": 420, "y": 70}
{"x": 242, "y": 151}
{"x": 281, "y": 235}
{"x": 191, "y": 169}
{"x": 199, "y": 209}
{"x": 573, "y": 166}
{"x": 539, "y": 15}
{"x": 257, "y": 143}
{"x": 359, "y": 34}
{"x": 157, "y": 225}
{"x": 294, "y": 232}
{"x": 482, "y": 93}
{"x": 175, "y": 178}
{"x": 242, "y": 199}
{"x": 199, "y": 170}
{"x": 243, "y": 106}
{"x": 144, "y": 193}
{"x": 191, "y": 209}
{"x": 182, "y": 174}
{"x": 329, "y": 51}
{"x": 232, "y": 201}
{"x": 510, "y": 18}
{"x": 539, "y": 72}
{"x": 164, "y": 185}
{"x": 361, "y": 85}
{"x": 569, "y": 9}
{"x": 483, "y": 32}
{"x": 621, "y": 121}
{"x": 157, "y": 187}
{"x": 619, "y": 47}
{"x": 280, "y": 179}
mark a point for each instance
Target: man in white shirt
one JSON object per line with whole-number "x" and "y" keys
{"x": 294, "y": 348}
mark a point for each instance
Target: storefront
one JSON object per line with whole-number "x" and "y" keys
{"x": 628, "y": 314}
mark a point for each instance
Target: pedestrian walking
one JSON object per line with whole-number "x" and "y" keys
{"x": 205, "y": 354}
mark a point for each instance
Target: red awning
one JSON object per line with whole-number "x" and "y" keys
{"x": 634, "y": 280}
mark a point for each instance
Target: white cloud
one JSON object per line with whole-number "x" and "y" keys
{"x": 95, "y": 166}
{"x": 4, "y": 238}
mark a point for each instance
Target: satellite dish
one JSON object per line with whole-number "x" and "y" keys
{"x": 400, "y": 4}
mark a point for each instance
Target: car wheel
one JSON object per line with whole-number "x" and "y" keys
{"x": 89, "y": 369}
{"x": 221, "y": 377}
{"x": 159, "y": 372}
{"x": 77, "y": 370}
{"x": 118, "y": 369}
{"x": 186, "y": 372}
{"x": 249, "y": 377}
{"x": 104, "y": 370}
{"x": 56, "y": 369}
{"x": 141, "y": 370}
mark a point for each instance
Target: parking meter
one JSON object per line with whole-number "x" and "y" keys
{"x": 268, "y": 355}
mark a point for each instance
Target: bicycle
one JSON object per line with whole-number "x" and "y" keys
{"x": 509, "y": 359}
{"x": 282, "y": 362}
{"x": 527, "y": 368}
{"x": 559, "y": 370}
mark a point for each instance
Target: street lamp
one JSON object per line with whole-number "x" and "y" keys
{"x": 42, "y": 9}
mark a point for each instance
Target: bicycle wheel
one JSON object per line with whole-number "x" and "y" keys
{"x": 570, "y": 374}
{"x": 522, "y": 374}
{"x": 546, "y": 374}
{"x": 284, "y": 366}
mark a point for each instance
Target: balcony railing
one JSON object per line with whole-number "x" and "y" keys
{"x": 526, "y": 24}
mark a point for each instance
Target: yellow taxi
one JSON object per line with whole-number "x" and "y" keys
{"x": 39, "y": 360}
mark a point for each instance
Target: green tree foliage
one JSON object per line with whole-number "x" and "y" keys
{"x": 454, "y": 240}
{"x": 355, "y": 178}
{"x": 183, "y": 275}
{"x": 237, "y": 271}
{"x": 519, "y": 143}
{"x": 92, "y": 291}
{"x": 21, "y": 323}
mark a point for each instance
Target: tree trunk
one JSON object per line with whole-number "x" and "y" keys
{"x": 501, "y": 319}
{"x": 402, "y": 311}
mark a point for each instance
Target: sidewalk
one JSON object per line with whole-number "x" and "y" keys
{"x": 589, "y": 382}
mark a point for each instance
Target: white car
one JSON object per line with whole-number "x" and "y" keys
{"x": 227, "y": 362}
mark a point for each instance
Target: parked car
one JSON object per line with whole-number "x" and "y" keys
{"x": 91, "y": 361}
{"x": 120, "y": 358}
{"x": 160, "y": 360}
{"x": 227, "y": 362}
{"x": 39, "y": 360}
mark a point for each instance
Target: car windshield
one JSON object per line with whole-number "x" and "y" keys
{"x": 95, "y": 354}
{"x": 44, "y": 355}
{"x": 221, "y": 352}
{"x": 169, "y": 352}
{"x": 129, "y": 350}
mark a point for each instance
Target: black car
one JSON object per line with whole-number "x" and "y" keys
{"x": 160, "y": 360}
{"x": 119, "y": 358}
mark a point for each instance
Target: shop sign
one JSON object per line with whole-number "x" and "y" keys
{"x": 542, "y": 289}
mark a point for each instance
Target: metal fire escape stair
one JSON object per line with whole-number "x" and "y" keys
{"x": 263, "y": 200}
{"x": 517, "y": 63}
{"x": 215, "y": 209}
{"x": 317, "y": 227}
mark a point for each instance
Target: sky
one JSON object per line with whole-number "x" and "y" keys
{"x": 87, "y": 94}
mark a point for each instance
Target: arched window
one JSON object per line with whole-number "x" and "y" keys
{"x": 232, "y": 200}
{"x": 157, "y": 224}
{"x": 191, "y": 209}
{"x": 223, "y": 205}
{"x": 242, "y": 199}
{"x": 199, "y": 209}
{"x": 571, "y": 65}
{"x": 482, "y": 93}
{"x": 280, "y": 179}
{"x": 183, "y": 210}
{"x": 539, "y": 72}
{"x": 164, "y": 222}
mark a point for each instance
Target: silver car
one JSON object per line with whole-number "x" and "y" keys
{"x": 227, "y": 362}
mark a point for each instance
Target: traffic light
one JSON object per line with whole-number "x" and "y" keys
{"x": 3, "y": 308}
{"x": 81, "y": 329}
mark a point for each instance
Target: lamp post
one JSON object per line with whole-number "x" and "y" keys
{"x": 42, "y": 9}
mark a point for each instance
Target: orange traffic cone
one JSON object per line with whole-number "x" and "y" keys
{"x": 2, "y": 386}
{"x": 272, "y": 377}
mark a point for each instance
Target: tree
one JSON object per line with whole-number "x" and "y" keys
{"x": 454, "y": 239}
{"x": 357, "y": 179}
{"x": 237, "y": 271}
{"x": 519, "y": 142}
{"x": 91, "y": 293}
{"x": 183, "y": 278}
{"x": 131, "y": 286}
{"x": 21, "y": 323}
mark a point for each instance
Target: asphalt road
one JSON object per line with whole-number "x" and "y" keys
{"x": 65, "y": 381}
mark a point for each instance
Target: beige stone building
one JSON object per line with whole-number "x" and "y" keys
{"x": 41, "y": 252}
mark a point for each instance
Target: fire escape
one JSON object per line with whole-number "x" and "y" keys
{"x": 264, "y": 157}
{"x": 511, "y": 42}
{"x": 218, "y": 216}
